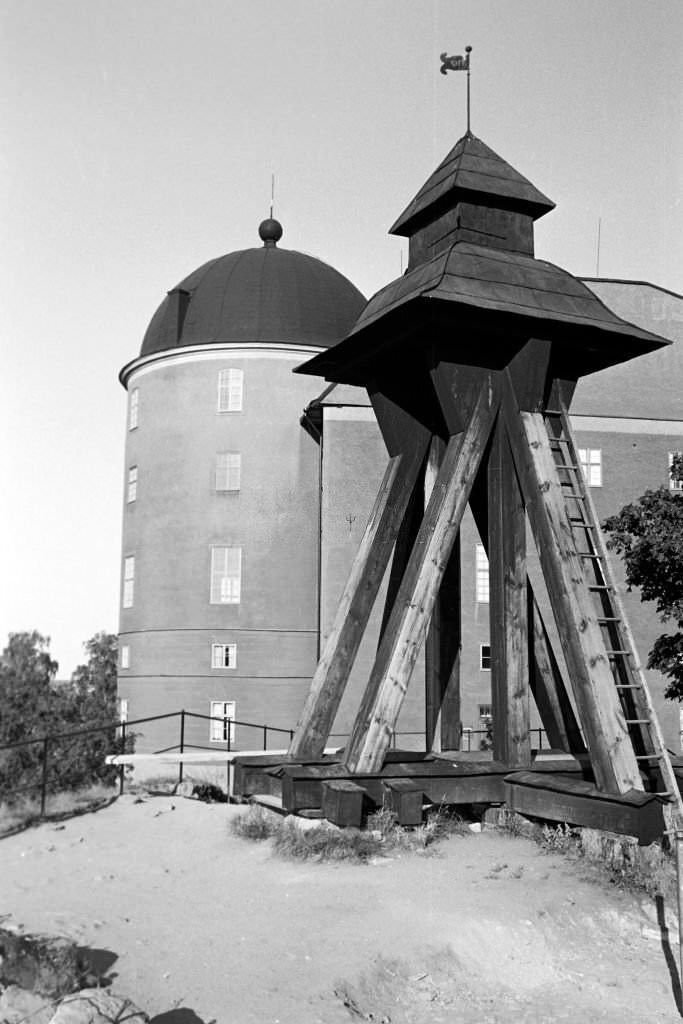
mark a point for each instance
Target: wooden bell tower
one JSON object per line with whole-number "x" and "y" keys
{"x": 470, "y": 360}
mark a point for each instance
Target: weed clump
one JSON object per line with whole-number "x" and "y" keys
{"x": 325, "y": 843}
{"x": 255, "y": 824}
{"x": 382, "y": 837}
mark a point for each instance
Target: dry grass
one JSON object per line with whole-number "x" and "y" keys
{"x": 26, "y": 812}
{"x": 641, "y": 868}
{"x": 324, "y": 842}
{"x": 605, "y": 856}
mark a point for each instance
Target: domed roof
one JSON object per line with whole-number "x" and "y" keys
{"x": 265, "y": 294}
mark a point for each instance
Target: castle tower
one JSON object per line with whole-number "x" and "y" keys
{"x": 220, "y": 559}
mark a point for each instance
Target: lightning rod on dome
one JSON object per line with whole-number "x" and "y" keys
{"x": 272, "y": 193}
{"x": 459, "y": 63}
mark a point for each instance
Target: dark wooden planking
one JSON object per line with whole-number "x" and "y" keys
{"x": 577, "y": 802}
{"x": 548, "y": 687}
{"x": 528, "y": 372}
{"x": 596, "y": 698}
{"x": 508, "y": 608}
{"x": 403, "y": 547}
{"x": 342, "y": 803}
{"x": 403, "y": 797}
{"x": 332, "y": 673}
{"x": 443, "y": 643}
{"x": 383, "y": 698}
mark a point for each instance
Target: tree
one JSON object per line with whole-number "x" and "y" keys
{"x": 94, "y": 684}
{"x": 27, "y": 673}
{"x": 34, "y": 706}
{"x": 649, "y": 535}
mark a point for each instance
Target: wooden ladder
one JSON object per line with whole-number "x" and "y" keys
{"x": 640, "y": 716}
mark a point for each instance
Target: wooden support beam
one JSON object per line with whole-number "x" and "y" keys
{"x": 405, "y": 540}
{"x": 367, "y": 572}
{"x": 597, "y": 702}
{"x": 443, "y": 643}
{"x": 412, "y": 610}
{"x": 548, "y": 687}
{"x": 508, "y": 608}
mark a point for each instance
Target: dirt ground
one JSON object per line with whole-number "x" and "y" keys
{"x": 197, "y": 925}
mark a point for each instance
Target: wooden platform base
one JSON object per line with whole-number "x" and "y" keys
{"x": 564, "y": 798}
{"x": 555, "y": 789}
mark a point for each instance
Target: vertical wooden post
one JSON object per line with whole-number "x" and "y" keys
{"x": 508, "y": 608}
{"x": 548, "y": 688}
{"x": 412, "y": 610}
{"x": 606, "y": 733}
{"x": 370, "y": 563}
{"x": 443, "y": 643}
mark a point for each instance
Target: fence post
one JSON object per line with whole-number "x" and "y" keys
{"x": 182, "y": 744}
{"x": 122, "y": 767}
{"x": 43, "y": 785}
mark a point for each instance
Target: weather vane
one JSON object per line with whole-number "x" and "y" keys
{"x": 459, "y": 63}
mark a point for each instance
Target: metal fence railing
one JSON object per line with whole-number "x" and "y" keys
{"x": 41, "y": 770}
{"x": 122, "y": 735}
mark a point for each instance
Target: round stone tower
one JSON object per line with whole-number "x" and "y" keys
{"x": 220, "y": 560}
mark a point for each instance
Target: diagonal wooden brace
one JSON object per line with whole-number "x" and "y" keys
{"x": 597, "y": 701}
{"x": 413, "y": 607}
{"x": 341, "y": 647}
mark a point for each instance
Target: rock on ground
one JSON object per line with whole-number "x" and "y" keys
{"x": 98, "y": 1006}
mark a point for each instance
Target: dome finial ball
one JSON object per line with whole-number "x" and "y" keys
{"x": 270, "y": 231}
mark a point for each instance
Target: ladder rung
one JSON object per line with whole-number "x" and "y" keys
{"x": 600, "y": 586}
{"x": 582, "y": 524}
{"x": 572, "y": 496}
{"x": 609, "y": 618}
{"x": 638, "y": 721}
{"x": 588, "y": 554}
{"x": 628, "y": 686}
{"x": 552, "y": 412}
{"x": 648, "y": 757}
{"x": 630, "y": 653}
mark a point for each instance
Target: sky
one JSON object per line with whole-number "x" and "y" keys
{"x": 140, "y": 137}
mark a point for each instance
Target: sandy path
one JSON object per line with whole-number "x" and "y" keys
{"x": 492, "y": 929}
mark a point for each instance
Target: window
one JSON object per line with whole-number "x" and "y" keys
{"x": 230, "y": 390}
{"x": 125, "y": 656}
{"x": 123, "y": 714}
{"x": 128, "y": 581}
{"x": 133, "y": 410}
{"x": 132, "y": 484}
{"x": 228, "y": 471}
{"x": 591, "y": 464}
{"x": 485, "y": 712}
{"x": 223, "y": 655}
{"x": 675, "y": 483}
{"x": 482, "y": 574}
{"x": 485, "y": 658}
{"x": 226, "y": 575}
{"x": 222, "y": 721}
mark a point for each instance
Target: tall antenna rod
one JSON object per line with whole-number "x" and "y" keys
{"x": 459, "y": 63}
{"x": 597, "y": 256}
{"x": 272, "y": 194}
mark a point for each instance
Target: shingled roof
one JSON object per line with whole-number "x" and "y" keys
{"x": 474, "y": 171}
